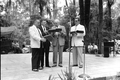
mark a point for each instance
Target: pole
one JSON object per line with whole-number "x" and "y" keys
{"x": 84, "y": 76}
{"x": 70, "y": 68}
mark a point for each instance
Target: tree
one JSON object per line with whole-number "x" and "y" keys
{"x": 85, "y": 16}
{"x": 82, "y": 11}
{"x": 42, "y": 4}
{"x": 109, "y": 4}
{"x": 42, "y": 7}
{"x": 87, "y": 13}
{"x": 100, "y": 25}
{"x": 66, "y": 3}
{"x": 55, "y": 10}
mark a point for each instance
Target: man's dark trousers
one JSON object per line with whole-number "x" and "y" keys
{"x": 46, "y": 52}
{"x": 35, "y": 58}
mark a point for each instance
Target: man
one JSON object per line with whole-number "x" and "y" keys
{"x": 35, "y": 42}
{"x": 58, "y": 44}
{"x": 17, "y": 47}
{"x": 77, "y": 43}
{"x": 46, "y": 45}
{"x": 95, "y": 49}
{"x": 90, "y": 48}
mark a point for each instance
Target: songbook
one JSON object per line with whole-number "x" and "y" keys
{"x": 55, "y": 30}
{"x": 48, "y": 37}
{"x": 72, "y": 32}
{"x": 78, "y": 31}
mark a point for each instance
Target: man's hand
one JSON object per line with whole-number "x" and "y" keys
{"x": 46, "y": 32}
{"x": 74, "y": 34}
{"x": 56, "y": 33}
{"x": 43, "y": 39}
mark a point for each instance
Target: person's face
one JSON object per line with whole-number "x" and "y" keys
{"x": 56, "y": 24}
{"x": 44, "y": 23}
{"x": 37, "y": 23}
{"x": 76, "y": 22}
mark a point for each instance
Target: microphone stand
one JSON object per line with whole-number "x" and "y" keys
{"x": 70, "y": 68}
{"x": 84, "y": 76}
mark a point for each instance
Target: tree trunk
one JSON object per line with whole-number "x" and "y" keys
{"x": 81, "y": 7}
{"x": 87, "y": 16}
{"x": 87, "y": 13}
{"x": 41, "y": 9}
{"x": 73, "y": 2}
{"x": 100, "y": 26}
{"x": 55, "y": 9}
{"x": 109, "y": 14}
{"x": 84, "y": 16}
{"x": 74, "y": 14}
{"x": 66, "y": 3}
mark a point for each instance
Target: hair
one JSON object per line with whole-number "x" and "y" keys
{"x": 43, "y": 20}
{"x": 77, "y": 19}
{"x": 33, "y": 18}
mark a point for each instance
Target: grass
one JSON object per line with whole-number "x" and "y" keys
{"x": 66, "y": 75}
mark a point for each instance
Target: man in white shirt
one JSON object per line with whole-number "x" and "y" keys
{"x": 90, "y": 48}
{"x": 35, "y": 43}
{"x": 77, "y": 43}
{"x": 95, "y": 49}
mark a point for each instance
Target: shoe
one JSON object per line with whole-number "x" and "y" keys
{"x": 48, "y": 66}
{"x": 41, "y": 68}
{"x": 60, "y": 65}
{"x": 74, "y": 65}
{"x": 54, "y": 65}
{"x": 35, "y": 70}
{"x": 80, "y": 66}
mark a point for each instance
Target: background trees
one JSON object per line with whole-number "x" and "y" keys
{"x": 18, "y": 13}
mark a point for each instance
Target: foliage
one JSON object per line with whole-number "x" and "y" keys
{"x": 4, "y": 22}
{"x": 65, "y": 76}
{"x": 70, "y": 13}
{"x": 92, "y": 35}
{"x": 17, "y": 14}
{"x": 118, "y": 28}
{"x": 94, "y": 19}
{"x": 19, "y": 11}
{"x": 43, "y": 7}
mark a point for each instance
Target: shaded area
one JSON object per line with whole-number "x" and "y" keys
{"x": 7, "y": 30}
{"x": 5, "y": 39}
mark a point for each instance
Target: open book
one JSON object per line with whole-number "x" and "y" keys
{"x": 78, "y": 31}
{"x": 55, "y": 30}
{"x": 48, "y": 37}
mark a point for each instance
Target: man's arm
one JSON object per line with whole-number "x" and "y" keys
{"x": 81, "y": 28}
{"x": 63, "y": 32}
{"x": 73, "y": 31}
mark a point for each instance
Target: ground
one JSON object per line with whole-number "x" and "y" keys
{"x": 18, "y": 67}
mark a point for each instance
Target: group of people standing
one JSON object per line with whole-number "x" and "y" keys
{"x": 41, "y": 45}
